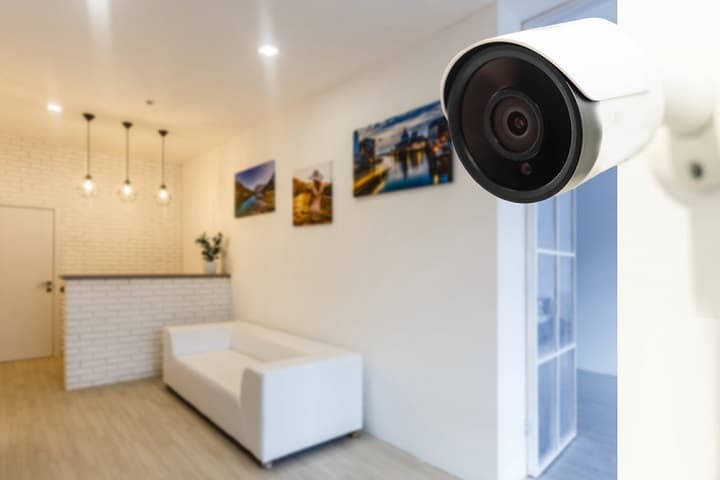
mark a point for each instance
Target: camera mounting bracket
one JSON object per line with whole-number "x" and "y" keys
{"x": 692, "y": 169}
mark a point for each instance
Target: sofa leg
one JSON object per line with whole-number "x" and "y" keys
{"x": 267, "y": 465}
{"x": 355, "y": 434}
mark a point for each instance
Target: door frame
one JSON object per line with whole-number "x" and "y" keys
{"x": 531, "y": 380}
{"x": 53, "y": 317}
{"x": 561, "y": 10}
{"x": 535, "y": 465}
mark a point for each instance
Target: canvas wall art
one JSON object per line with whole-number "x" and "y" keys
{"x": 406, "y": 151}
{"x": 255, "y": 190}
{"x": 312, "y": 195}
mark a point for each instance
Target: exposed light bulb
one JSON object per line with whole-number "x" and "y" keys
{"x": 127, "y": 192}
{"x": 88, "y": 186}
{"x": 163, "y": 195}
{"x": 268, "y": 50}
{"x": 54, "y": 107}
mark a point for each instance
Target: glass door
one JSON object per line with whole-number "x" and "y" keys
{"x": 552, "y": 375}
{"x": 552, "y": 371}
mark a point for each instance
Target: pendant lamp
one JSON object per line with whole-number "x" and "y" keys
{"x": 127, "y": 191}
{"x": 163, "y": 196}
{"x": 88, "y": 188}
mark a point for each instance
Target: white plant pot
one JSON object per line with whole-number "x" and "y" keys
{"x": 211, "y": 267}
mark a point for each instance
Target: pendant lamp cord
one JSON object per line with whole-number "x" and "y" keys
{"x": 88, "y": 149}
{"x": 163, "y": 160}
{"x": 127, "y": 126}
{"x": 162, "y": 133}
{"x": 88, "y": 118}
{"x": 127, "y": 155}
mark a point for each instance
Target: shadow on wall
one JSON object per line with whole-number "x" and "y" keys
{"x": 705, "y": 241}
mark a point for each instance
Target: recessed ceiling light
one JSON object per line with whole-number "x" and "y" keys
{"x": 54, "y": 107}
{"x": 268, "y": 50}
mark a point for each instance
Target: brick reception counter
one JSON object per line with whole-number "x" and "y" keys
{"x": 113, "y": 323}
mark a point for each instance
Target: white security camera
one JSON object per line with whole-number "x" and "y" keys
{"x": 537, "y": 113}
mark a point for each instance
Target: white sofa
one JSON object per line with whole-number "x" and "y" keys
{"x": 273, "y": 392}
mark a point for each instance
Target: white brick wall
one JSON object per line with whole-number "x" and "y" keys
{"x": 113, "y": 327}
{"x": 99, "y": 235}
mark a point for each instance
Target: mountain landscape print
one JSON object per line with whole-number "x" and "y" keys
{"x": 255, "y": 190}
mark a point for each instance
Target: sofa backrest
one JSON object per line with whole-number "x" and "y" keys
{"x": 262, "y": 349}
{"x": 268, "y": 345}
{"x": 200, "y": 338}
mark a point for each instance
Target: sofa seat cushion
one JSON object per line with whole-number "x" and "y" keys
{"x": 224, "y": 368}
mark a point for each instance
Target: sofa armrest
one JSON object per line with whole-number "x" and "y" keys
{"x": 190, "y": 339}
{"x": 293, "y": 404}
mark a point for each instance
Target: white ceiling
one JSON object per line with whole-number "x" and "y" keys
{"x": 197, "y": 59}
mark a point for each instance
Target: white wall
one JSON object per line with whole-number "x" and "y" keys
{"x": 668, "y": 360}
{"x": 98, "y": 235}
{"x": 408, "y": 279}
{"x": 597, "y": 274}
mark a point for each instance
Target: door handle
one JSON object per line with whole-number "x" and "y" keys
{"x": 49, "y": 286}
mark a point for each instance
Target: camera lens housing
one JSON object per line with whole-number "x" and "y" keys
{"x": 514, "y": 125}
{"x": 515, "y": 122}
{"x": 536, "y": 113}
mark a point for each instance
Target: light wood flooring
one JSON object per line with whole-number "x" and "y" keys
{"x": 141, "y": 430}
{"x": 593, "y": 454}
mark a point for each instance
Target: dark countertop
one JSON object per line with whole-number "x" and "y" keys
{"x": 150, "y": 276}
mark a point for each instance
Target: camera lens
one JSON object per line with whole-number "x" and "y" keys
{"x": 515, "y": 125}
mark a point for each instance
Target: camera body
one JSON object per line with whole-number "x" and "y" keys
{"x": 537, "y": 113}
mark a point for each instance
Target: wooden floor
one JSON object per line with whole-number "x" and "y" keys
{"x": 140, "y": 430}
{"x": 593, "y": 454}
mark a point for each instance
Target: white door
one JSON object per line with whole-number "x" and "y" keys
{"x": 26, "y": 275}
{"x": 552, "y": 373}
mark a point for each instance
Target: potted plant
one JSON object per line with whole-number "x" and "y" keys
{"x": 211, "y": 248}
